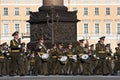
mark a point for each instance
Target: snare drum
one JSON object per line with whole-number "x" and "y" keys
{"x": 63, "y": 59}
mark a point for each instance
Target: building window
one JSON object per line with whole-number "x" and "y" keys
{"x": 5, "y": 11}
{"x": 118, "y": 11}
{"x": 74, "y": 9}
{"x": 4, "y": 1}
{"x": 108, "y": 29}
{"x": 96, "y": 28}
{"x": 16, "y": 11}
{"x": 85, "y": 0}
{"x": 16, "y": 1}
{"x": 17, "y": 27}
{"x": 108, "y": 0}
{"x": 6, "y": 29}
{"x": 96, "y": 11}
{"x": 85, "y": 28}
{"x": 107, "y": 11}
{"x": 85, "y": 11}
{"x": 118, "y": 28}
{"x": 118, "y": 1}
{"x": 27, "y": 11}
{"x": 28, "y": 28}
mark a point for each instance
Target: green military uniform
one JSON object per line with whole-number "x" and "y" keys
{"x": 86, "y": 62}
{"x": 7, "y": 58}
{"x": 40, "y": 64}
{"x": 31, "y": 60}
{"x": 71, "y": 65}
{"x": 109, "y": 58}
{"x": 93, "y": 59}
{"x": 60, "y": 67}
{"x": 16, "y": 59}
{"x": 102, "y": 68}
{"x": 79, "y": 50}
{"x": 2, "y": 62}
{"x": 24, "y": 58}
{"x": 117, "y": 59}
{"x": 53, "y": 60}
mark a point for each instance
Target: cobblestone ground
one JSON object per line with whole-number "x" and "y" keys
{"x": 61, "y": 78}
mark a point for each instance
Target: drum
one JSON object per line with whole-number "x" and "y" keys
{"x": 74, "y": 57}
{"x": 85, "y": 56}
{"x": 45, "y": 57}
{"x": 63, "y": 59}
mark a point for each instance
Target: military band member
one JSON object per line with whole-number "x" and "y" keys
{"x": 16, "y": 60}
{"x": 102, "y": 68}
{"x": 93, "y": 59}
{"x": 61, "y": 65}
{"x": 42, "y": 64}
{"x": 109, "y": 58}
{"x": 31, "y": 59}
{"x": 24, "y": 54}
{"x": 53, "y": 60}
{"x": 71, "y": 65}
{"x": 7, "y": 58}
{"x": 86, "y": 61}
{"x": 2, "y": 62}
{"x": 79, "y": 50}
{"x": 117, "y": 59}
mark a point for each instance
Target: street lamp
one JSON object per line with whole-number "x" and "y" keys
{"x": 52, "y": 9}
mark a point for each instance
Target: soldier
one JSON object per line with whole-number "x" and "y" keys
{"x": 43, "y": 64}
{"x": 71, "y": 65}
{"x": 79, "y": 50}
{"x": 53, "y": 60}
{"x": 117, "y": 59}
{"x": 2, "y": 61}
{"x": 109, "y": 58}
{"x": 24, "y": 57}
{"x": 7, "y": 57}
{"x": 86, "y": 61}
{"x": 93, "y": 59}
{"x": 16, "y": 60}
{"x": 102, "y": 68}
{"x": 31, "y": 59}
{"x": 61, "y": 65}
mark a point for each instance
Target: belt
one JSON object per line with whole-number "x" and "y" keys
{"x": 2, "y": 57}
{"x": 54, "y": 56}
{"x": 15, "y": 50}
{"x": 41, "y": 53}
{"x": 32, "y": 60}
{"x": 70, "y": 55}
{"x": 101, "y": 51}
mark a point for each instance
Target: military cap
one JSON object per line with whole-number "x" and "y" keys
{"x": 81, "y": 40}
{"x": 0, "y": 45}
{"x": 118, "y": 44}
{"x": 91, "y": 45}
{"x": 15, "y": 33}
{"x": 69, "y": 43}
{"x": 103, "y": 37}
{"x": 4, "y": 43}
{"x": 86, "y": 46}
{"x": 61, "y": 44}
{"x": 116, "y": 48}
{"x": 41, "y": 38}
{"x": 23, "y": 44}
{"x": 106, "y": 45}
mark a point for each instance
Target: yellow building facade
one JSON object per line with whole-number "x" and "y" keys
{"x": 98, "y": 18}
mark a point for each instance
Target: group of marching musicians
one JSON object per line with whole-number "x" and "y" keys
{"x": 82, "y": 59}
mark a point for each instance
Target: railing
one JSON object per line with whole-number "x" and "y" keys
{"x": 97, "y": 36}
{"x": 22, "y": 35}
